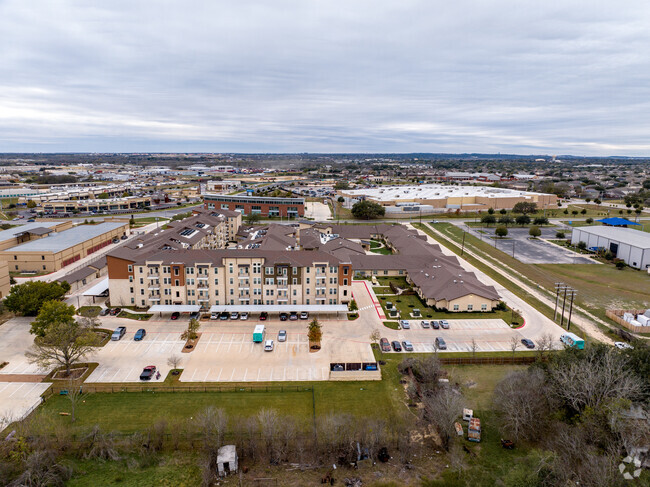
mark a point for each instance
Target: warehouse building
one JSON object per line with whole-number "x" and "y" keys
{"x": 55, "y": 250}
{"x": 632, "y": 246}
{"x": 30, "y": 231}
{"x": 446, "y": 197}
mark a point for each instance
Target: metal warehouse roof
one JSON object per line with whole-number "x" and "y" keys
{"x": 435, "y": 192}
{"x": 66, "y": 239}
{"x": 635, "y": 238}
{"x": 278, "y": 308}
{"x": 12, "y": 232}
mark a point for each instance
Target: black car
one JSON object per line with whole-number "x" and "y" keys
{"x": 224, "y": 315}
{"x": 104, "y": 311}
{"x": 175, "y": 315}
{"x": 397, "y": 346}
{"x": 435, "y": 324}
{"x": 284, "y": 316}
{"x": 148, "y": 372}
{"x": 528, "y": 343}
{"x": 263, "y": 316}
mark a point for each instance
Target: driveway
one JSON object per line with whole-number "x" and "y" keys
{"x": 317, "y": 211}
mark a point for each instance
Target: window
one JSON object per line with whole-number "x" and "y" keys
{"x": 307, "y": 281}
{"x": 16, "y": 258}
{"x": 385, "y": 273}
{"x": 484, "y": 307}
{"x": 176, "y": 272}
{"x": 130, "y": 278}
{"x": 132, "y": 300}
{"x": 345, "y": 271}
{"x": 456, "y": 307}
{"x": 295, "y": 293}
{"x": 307, "y": 292}
{"x": 216, "y": 292}
{"x": 189, "y": 270}
{"x": 470, "y": 307}
{"x": 141, "y": 281}
{"x": 176, "y": 282}
{"x": 345, "y": 282}
{"x": 130, "y": 268}
{"x": 231, "y": 268}
{"x": 42, "y": 257}
{"x": 142, "y": 292}
{"x": 232, "y": 281}
{"x": 268, "y": 271}
{"x": 216, "y": 281}
{"x": 294, "y": 270}
{"x": 44, "y": 268}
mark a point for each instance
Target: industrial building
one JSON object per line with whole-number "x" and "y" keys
{"x": 125, "y": 205}
{"x": 632, "y": 246}
{"x": 55, "y": 250}
{"x": 263, "y": 206}
{"x": 30, "y": 231}
{"x": 446, "y": 197}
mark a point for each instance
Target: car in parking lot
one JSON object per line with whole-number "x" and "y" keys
{"x": 425, "y": 324}
{"x": 623, "y": 346}
{"x": 140, "y": 334}
{"x": 123, "y": 237}
{"x": 293, "y": 316}
{"x": 528, "y": 343}
{"x": 408, "y": 346}
{"x": 175, "y": 315}
{"x": 385, "y": 346}
{"x": 304, "y": 315}
{"x": 234, "y": 315}
{"x": 223, "y": 316}
{"x": 104, "y": 311}
{"x": 31, "y": 220}
{"x": 405, "y": 324}
{"x": 195, "y": 316}
{"x": 116, "y": 240}
{"x": 268, "y": 346}
{"x": 115, "y": 311}
{"x": 444, "y": 324}
{"x": 338, "y": 368}
{"x": 397, "y": 346}
{"x": 118, "y": 333}
{"x": 148, "y": 372}
{"x": 284, "y": 316}
{"x": 282, "y": 336}
{"x": 243, "y": 316}
{"x": 435, "y": 324}
{"x": 214, "y": 316}
{"x": 440, "y": 343}
{"x": 263, "y": 316}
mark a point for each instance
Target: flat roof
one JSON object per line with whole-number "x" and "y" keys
{"x": 67, "y": 238}
{"x": 254, "y": 199}
{"x": 12, "y": 232}
{"x": 170, "y": 308}
{"x": 99, "y": 288}
{"x": 635, "y": 238}
{"x": 435, "y": 192}
{"x": 278, "y": 308}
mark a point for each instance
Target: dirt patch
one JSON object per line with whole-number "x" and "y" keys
{"x": 22, "y": 378}
{"x": 74, "y": 374}
{"x": 314, "y": 347}
{"x": 190, "y": 345}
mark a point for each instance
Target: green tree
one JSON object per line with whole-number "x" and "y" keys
{"x": 252, "y": 218}
{"x": 503, "y": 211}
{"x": 31, "y": 204}
{"x": 315, "y": 332}
{"x": 559, "y": 235}
{"x": 103, "y": 196}
{"x": 525, "y": 207}
{"x": 501, "y": 231}
{"x": 490, "y": 211}
{"x": 64, "y": 343}
{"x": 27, "y": 299}
{"x": 368, "y": 210}
{"x": 353, "y": 305}
{"x": 540, "y": 220}
{"x": 340, "y": 199}
{"x": 534, "y": 232}
{"x": 191, "y": 332}
{"x": 342, "y": 185}
{"x": 523, "y": 220}
{"x": 506, "y": 220}
{"x": 589, "y": 221}
{"x": 52, "y": 312}
{"x": 488, "y": 219}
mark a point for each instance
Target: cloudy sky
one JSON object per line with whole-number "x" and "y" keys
{"x": 544, "y": 77}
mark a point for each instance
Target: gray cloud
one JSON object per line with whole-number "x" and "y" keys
{"x": 372, "y": 76}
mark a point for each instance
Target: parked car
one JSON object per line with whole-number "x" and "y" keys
{"x": 104, "y": 311}
{"x": 243, "y": 316}
{"x": 528, "y": 343}
{"x": 234, "y": 315}
{"x": 284, "y": 316}
{"x": 435, "y": 324}
{"x": 263, "y": 316}
{"x": 408, "y": 346}
{"x": 116, "y": 240}
{"x": 385, "y": 346}
{"x": 195, "y": 316}
{"x": 118, "y": 333}
{"x": 123, "y": 237}
{"x": 440, "y": 343}
{"x": 31, "y": 220}
{"x": 282, "y": 336}
{"x": 397, "y": 346}
{"x": 405, "y": 324}
{"x": 223, "y": 316}
{"x": 268, "y": 346}
{"x": 148, "y": 372}
{"x": 140, "y": 334}
{"x": 304, "y": 315}
{"x": 444, "y": 324}
{"x": 425, "y": 324}
{"x": 116, "y": 311}
{"x": 214, "y": 316}
{"x": 338, "y": 368}
{"x": 623, "y": 346}
{"x": 293, "y": 316}
{"x": 175, "y": 315}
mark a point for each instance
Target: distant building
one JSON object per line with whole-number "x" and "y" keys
{"x": 263, "y": 206}
{"x": 632, "y": 246}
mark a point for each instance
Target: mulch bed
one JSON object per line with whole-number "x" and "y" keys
{"x": 314, "y": 347}
{"x": 190, "y": 345}
{"x": 74, "y": 374}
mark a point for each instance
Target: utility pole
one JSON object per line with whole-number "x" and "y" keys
{"x": 462, "y": 250}
{"x": 558, "y": 286}
{"x": 563, "y": 306}
{"x": 573, "y": 295}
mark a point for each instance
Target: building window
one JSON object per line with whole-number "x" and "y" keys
{"x": 345, "y": 271}
{"x": 132, "y": 300}
{"x": 16, "y": 258}
{"x": 130, "y": 268}
{"x": 484, "y": 307}
{"x": 216, "y": 282}
{"x": 130, "y": 278}
{"x": 176, "y": 282}
{"x": 470, "y": 307}
{"x": 176, "y": 272}
{"x": 294, "y": 270}
{"x": 456, "y": 307}
{"x": 42, "y": 257}
{"x": 269, "y": 271}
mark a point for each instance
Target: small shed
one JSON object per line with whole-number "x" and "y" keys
{"x": 226, "y": 460}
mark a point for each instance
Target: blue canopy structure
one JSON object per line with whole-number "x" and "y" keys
{"x": 617, "y": 222}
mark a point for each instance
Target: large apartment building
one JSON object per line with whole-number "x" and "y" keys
{"x": 229, "y": 277}
{"x": 260, "y": 205}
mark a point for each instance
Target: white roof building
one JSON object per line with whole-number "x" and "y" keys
{"x": 632, "y": 246}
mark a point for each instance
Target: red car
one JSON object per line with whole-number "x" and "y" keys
{"x": 175, "y": 315}
{"x": 148, "y": 372}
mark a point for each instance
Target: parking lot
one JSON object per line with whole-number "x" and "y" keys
{"x": 15, "y": 340}
{"x": 18, "y": 399}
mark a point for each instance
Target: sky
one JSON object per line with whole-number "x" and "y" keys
{"x": 510, "y": 76}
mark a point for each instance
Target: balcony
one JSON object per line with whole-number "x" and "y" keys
{"x": 153, "y": 276}
{"x": 202, "y": 278}
{"x": 154, "y": 298}
{"x": 154, "y": 288}
{"x": 202, "y": 285}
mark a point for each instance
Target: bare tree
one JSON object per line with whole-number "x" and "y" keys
{"x": 42, "y": 468}
{"x": 97, "y": 444}
{"x": 442, "y": 409}
{"x": 174, "y": 361}
{"x": 545, "y": 343}
{"x": 514, "y": 344}
{"x": 269, "y": 427}
{"x": 457, "y": 460}
{"x": 75, "y": 392}
{"x": 375, "y": 336}
{"x": 473, "y": 347}
{"x": 520, "y": 399}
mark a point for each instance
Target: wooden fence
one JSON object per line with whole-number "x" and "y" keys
{"x": 616, "y": 315}
{"x": 112, "y": 388}
{"x": 489, "y": 360}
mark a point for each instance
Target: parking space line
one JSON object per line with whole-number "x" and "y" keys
{"x": 192, "y": 378}
{"x": 205, "y": 379}
{"x": 258, "y": 374}
{"x": 232, "y": 375}
{"x": 219, "y": 377}
{"x": 129, "y": 373}
{"x": 19, "y": 388}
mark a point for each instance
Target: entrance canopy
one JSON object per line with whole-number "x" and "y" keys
{"x": 280, "y": 308}
{"x": 98, "y": 289}
{"x": 617, "y": 222}
{"x": 170, "y": 308}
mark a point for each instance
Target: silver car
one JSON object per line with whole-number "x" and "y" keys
{"x": 282, "y": 336}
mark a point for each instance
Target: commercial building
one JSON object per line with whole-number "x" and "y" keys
{"x": 53, "y": 251}
{"x": 30, "y": 231}
{"x": 223, "y": 186}
{"x": 5, "y": 284}
{"x": 632, "y": 246}
{"x": 124, "y": 205}
{"x": 263, "y": 206}
{"x": 446, "y": 197}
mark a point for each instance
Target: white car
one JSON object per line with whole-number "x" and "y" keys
{"x": 425, "y": 324}
{"x": 623, "y": 346}
{"x": 268, "y": 346}
{"x": 282, "y": 336}
{"x": 243, "y": 316}
{"x": 405, "y": 324}
{"x": 214, "y": 316}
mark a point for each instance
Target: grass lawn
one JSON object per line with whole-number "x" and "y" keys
{"x": 381, "y": 250}
{"x": 134, "y": 316}
{"x": 400, "y": 281}
{"x": 91, "y": 311}
{"x": 382, "y": 290}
